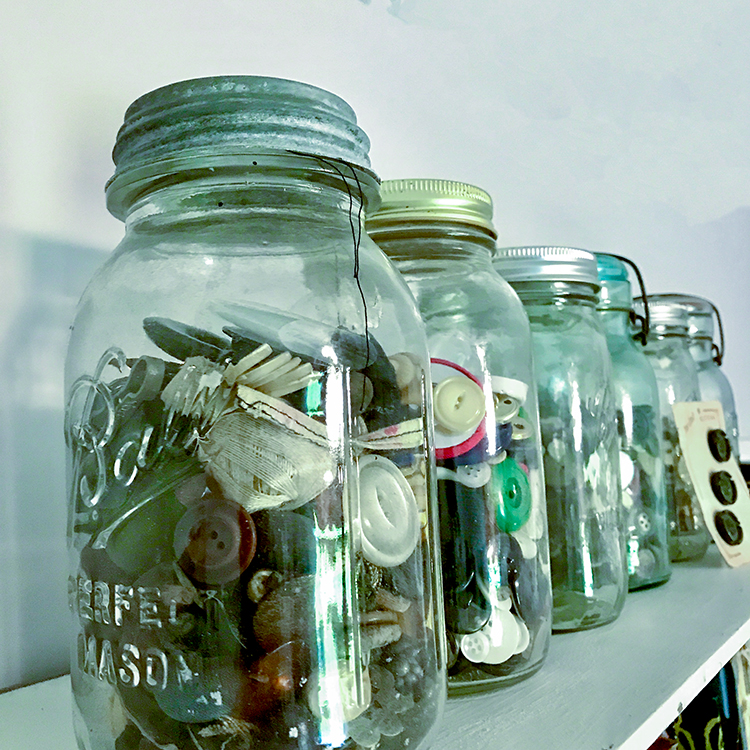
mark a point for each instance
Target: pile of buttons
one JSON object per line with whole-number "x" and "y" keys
{"x": 489, "y": 529}
{"x": 228, "y": 589}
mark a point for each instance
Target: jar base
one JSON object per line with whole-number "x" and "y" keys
{"x": 463, "y": 689}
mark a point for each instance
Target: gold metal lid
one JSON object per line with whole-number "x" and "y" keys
{"x": 432, "y": 200}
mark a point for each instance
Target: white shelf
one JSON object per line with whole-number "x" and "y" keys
{"x": 615, "y": 687}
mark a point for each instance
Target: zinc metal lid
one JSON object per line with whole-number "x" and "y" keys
{"x": 432, "y": 200}
{"x": 546, "y": 263}
{"x": 228, "y": 121}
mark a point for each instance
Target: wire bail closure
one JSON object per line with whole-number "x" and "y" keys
{"x": 642, "y": 321}
{"x": 718, "y": 350}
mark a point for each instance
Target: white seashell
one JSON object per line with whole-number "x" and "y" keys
{"x": 256, "y": 356}
{"x": 261, "y": 463}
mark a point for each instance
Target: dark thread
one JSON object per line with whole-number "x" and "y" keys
{"x": 356, "y": 239}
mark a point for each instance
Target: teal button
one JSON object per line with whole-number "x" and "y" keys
{"x": 512, "y": 491}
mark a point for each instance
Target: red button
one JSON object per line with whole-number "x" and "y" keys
{"x": 215, "y": 540}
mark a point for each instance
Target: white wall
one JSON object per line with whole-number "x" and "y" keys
{"x": 620, "y": 126}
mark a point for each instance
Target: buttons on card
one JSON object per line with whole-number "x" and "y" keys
{"x": 723, "y": 487}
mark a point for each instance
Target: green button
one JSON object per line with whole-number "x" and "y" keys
{"x": 512, "y": 491}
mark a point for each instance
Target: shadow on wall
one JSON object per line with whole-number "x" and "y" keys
{"x": 42, "y": 281}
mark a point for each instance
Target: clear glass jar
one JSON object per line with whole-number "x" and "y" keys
{"x": 578, "y": 413}
{"x": 490, "y": 485}
{"x": 644, "y": 494}
{"x": 252, "y": 538}
{"x": 676, "y": 373}
{"x": 713, "y": 384}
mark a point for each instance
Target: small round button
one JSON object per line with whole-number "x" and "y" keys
{"x": 728, "y": 527}
{"x": 458, "y": 404}
{"x": 506, "y": 407}
{"x": 388, "y": 514}
{"x": 475, "y": 646}
{"x": 503, "y": 632}
{"x": 643, "y": 525}
{"x": 516, "y": 389}
{"x": 723, "y": 487}
{"x": 525, "y": 543}
{"x": 215, "y": 540}
{"x": 521, "y": 428}
{"x": 718, "y": 444}
{"x": 455, "y": 444}
{"x": 512, "y": 492}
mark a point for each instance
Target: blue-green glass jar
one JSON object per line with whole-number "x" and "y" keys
{"x": 667, "y": 348}
{"x": 578, "y": 413}
{"x": 644, "y": 496}
{"x": 252, "y": 529}
{"x": 495, "y": 556}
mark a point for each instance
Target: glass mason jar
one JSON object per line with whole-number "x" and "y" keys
{"x": 713, "y": 384}
{"x": 252, "y": 539}
{"x": 667, "y": 347}
{"x": 644, "y": 494}
{"x": 490, "y": 485}
{"x": 578, "y": 413}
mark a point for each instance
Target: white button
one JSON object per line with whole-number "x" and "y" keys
{"x": 458, "y": 404}
{"x": 405, "y": 369}
{"x": 521, "y": 428}
{"x": 516, "y": 389}
{"x": 627, "y": 470}
{"x": 450, "y": 445}
{"x": 474, "y": 475}
{"x": 475, "y": 646}
{"x": 524, "y": 637}
{"x": 506, "y": 408}
{"x": 503, "y": 632}
{"x": 526, "y": 543}
{"x": 535, "y": 525}
{"x": 388, "y": 514}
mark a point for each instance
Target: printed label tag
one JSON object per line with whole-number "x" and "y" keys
{"x": 719, "y": 485}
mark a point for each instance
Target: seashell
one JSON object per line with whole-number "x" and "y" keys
{"x": 262, "y": 463}
{"x": 262, "y": 583}
{"x": 284, "y": 614}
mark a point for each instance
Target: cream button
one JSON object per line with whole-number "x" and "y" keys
{"x": 388, "y": 521}
{"x": 458, "y": 404}
{"x": 475, "y": 646}
{"x": 506, "y": 408}
{"x": 521, "y": 428}
{"x": 504, "y": 635}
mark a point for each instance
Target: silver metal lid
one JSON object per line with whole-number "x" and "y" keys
{"x": 700, "y": 313}
{"x": 664, "y": 313}
{"x": 545, "y": 263}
